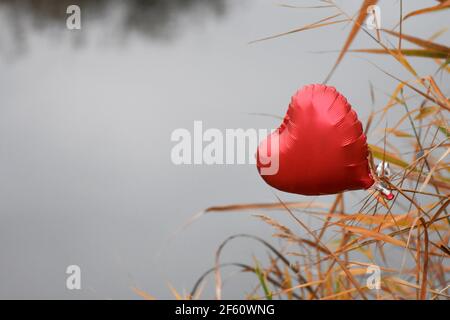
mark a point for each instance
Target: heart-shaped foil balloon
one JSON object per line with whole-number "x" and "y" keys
{"x": 320, "y": 147}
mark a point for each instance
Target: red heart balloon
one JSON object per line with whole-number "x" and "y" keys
{"x": 320, "y": 146}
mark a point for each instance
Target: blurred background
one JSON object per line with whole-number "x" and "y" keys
{"x": 86, "y": 118}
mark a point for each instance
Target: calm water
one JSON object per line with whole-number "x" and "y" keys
{"x": 85, "y": 124}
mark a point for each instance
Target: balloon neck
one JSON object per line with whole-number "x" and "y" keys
{"x": 387, "y": 194}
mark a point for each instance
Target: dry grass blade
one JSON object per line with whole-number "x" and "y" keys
{"x": 304, "y": 285}
{"x": 342, "y": 293}
{"x": 423, "y": 287}
{"x": 425, "y": 112}
{"x": 439, "y": 7}
{"x": 355, "y": 29}
{"x": 175, "y": 293}
{"x": 381, "y": 154}
{"x": 314, "y": 25}
{"x": 412, "y": 285}
{"x": 374, "y": 234}
{"x": 422, "y": 43}
{"x": 407, "y": 52}
{"x": 267, "y": 206}
{"x": 143, "y": 294}
{"x": 398, "y": 133}
{"x": 305, "y": 7}
{"x": 253, "y": 206}
{"x": 430, "y": 174}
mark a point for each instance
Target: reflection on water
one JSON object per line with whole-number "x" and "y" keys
{"x": 160, "y": 19}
